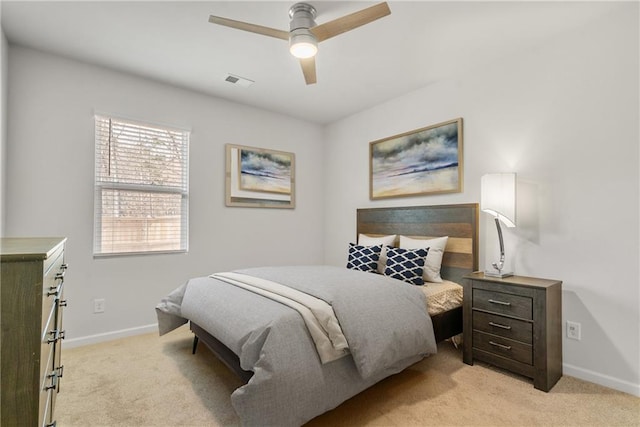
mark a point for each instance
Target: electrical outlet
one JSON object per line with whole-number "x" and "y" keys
{"x": 573, "y": 330}
{"x": 99, "y": 305}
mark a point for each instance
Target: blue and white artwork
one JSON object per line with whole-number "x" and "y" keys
{"x": 259, "y": 178}
{"x": 425, "y": 161}
{"x": 265, "y": 171}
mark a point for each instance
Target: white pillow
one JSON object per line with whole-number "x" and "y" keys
{"x": 364, "y": 240}
{"x": 431, "y": 272}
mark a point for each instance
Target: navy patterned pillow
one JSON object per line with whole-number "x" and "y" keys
{"x": 406, "y": 264}
{"x": 363, "y": 258}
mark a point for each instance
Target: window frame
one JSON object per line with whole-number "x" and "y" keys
{"x": 151, "y": 189}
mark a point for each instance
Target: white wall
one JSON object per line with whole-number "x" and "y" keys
{"x": 51, "y": 150}
{"x": 4, "y": 56}
{"x": 565, "y": 118}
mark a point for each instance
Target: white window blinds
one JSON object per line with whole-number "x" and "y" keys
{"x": 141, "y": 188}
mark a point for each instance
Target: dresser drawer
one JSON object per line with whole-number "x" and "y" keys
{"x": 48, "y": 381}
{"x": 503, "y": 303}
{"x": 54, "y": 261}
{"x": 51, "y": 284}
{"x": 48, "y": 311}
{"x": 46, "y": 347}
{"x": 506, "y": 327}
{"x": 503, "y": 347}
{"x": 46, "y": 406}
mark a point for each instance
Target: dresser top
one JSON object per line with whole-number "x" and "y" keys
{"x": 24, "y": 248}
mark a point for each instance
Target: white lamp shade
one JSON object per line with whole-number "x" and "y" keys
{"x": 498, "y": 196}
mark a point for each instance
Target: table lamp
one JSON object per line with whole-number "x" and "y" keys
{"x": 498, "y": 198}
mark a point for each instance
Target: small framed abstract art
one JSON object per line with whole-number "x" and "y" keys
{"x": 420, "y": 162}
{"x": 259, "y": 178}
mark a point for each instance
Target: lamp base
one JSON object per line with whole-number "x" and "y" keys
{"x": 500, "y": 274}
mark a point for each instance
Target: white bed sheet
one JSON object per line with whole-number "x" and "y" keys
{"x": 442, "y": 296}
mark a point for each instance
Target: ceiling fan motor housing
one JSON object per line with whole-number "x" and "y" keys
{"x": 302, "y": 17}
{"x": 302, "y": 42}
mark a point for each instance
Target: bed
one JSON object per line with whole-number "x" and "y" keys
{"x": 291, "y": 387}
{"x": 459, "y": 222}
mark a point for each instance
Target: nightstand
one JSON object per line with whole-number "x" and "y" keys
{"x": 514, "y": 323}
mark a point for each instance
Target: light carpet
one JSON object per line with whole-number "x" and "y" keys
{"x": 155, "y": 381}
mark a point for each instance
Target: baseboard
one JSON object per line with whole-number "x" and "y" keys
{"x": 108, "y": 336}
{"x": 601, "y": 379}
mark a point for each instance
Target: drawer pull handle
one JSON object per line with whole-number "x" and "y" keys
{"x": 53, "y": 424}
{"x": 63, "y": 303}
{"x": 492, "y": 301}
{"x": 64, "y": 266}
{"x": 55, "y": 336}
{"x": 60, "y": 370}
{"x": 54, "y": 290}
{"x": 498, "y": 325}
{"x": 502, "y": 346}
{"x": 60, "y": 276}
{"x": 54, "y": 381}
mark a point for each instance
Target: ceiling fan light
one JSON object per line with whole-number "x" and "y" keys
{"x": 303, "y": 44}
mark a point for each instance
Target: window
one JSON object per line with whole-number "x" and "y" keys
{"x": 141, "y": 188}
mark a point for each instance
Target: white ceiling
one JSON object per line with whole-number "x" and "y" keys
{"x": 173, "y": 42}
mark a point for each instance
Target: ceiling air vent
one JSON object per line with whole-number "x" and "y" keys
{"x": 237, "y": 80}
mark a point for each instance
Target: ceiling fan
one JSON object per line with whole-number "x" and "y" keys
{"x": 304, "y": 35}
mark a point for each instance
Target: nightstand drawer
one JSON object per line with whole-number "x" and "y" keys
{"x": 503, "y": 303}
{"x": 507, "y": 327}
{"x": 503, "y": 347}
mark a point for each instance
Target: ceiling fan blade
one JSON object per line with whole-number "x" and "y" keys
{"x": 349, "y": 22}
{"x": 252, "y": 28}
{"x": 309, "y": 70}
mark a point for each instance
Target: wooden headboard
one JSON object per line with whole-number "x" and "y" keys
{"x": 459, "y": 222}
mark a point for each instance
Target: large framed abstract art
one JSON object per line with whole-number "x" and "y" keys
{"x": 259, "y": 177}
{"x": 420, "y": 162}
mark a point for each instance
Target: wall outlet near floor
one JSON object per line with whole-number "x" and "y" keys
{"x": 99, "y": 305}
{"x": 574, "y": 330}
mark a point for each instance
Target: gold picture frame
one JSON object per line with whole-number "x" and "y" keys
{"x": 420, "y": 162}
{"x": 259, "y": 177}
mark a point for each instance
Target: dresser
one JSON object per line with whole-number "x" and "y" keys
{"x": 514, "y": 323}
{"x": 31, "y": 302}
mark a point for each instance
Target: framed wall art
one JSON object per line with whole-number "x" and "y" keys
{"x": 258, "y": 177}
{"x": 420, "y": 162}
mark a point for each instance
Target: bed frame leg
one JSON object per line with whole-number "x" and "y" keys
{"x": 195, "y": 344}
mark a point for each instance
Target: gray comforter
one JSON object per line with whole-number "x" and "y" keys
{"x": 384, "y": 321}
